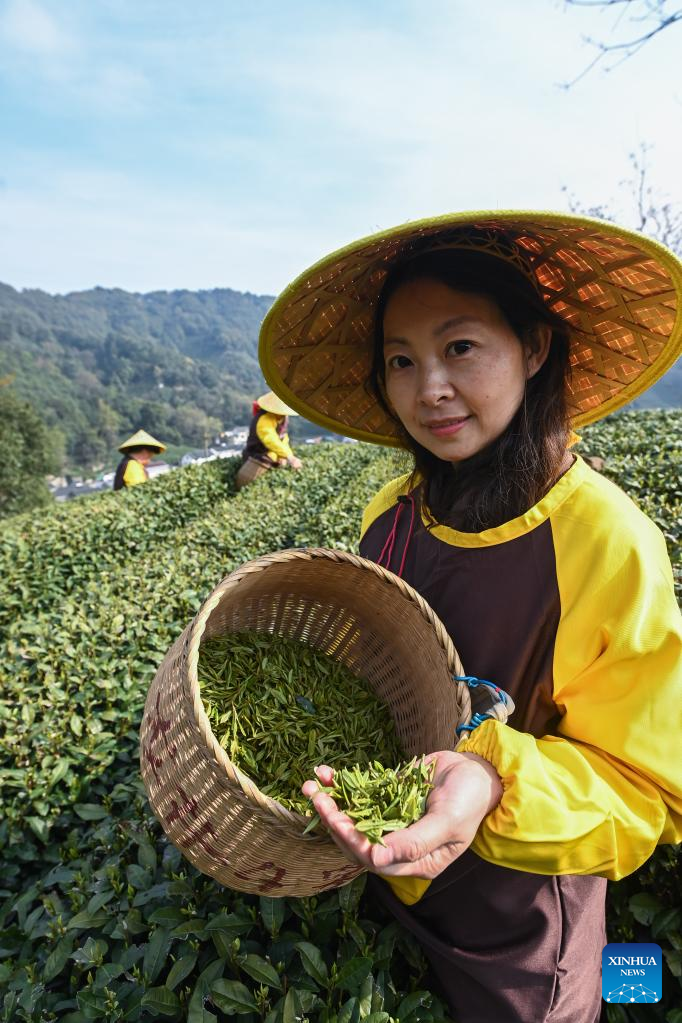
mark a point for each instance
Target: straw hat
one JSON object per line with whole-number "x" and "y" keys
{"x": 271, "y": 403}
{"x": 617, "y": 289}
{"x": 142, "y": 439}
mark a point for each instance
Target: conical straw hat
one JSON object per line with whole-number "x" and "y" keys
{"x": 271, "y": 403}
{"x": 619, "y": 291}
{"x": 141, "y": 439}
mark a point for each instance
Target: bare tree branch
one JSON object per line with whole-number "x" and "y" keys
{"x": 651, "y": 4}
{"x": 627, "y": 48}
{"x": 651, "y": 213}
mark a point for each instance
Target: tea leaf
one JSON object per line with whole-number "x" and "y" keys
{"x": 181, "y": 969}
{"x": 57, "y": 959}
{"x": 233, "y": 997}
{"x": 155, "y": 954}
{"x": 313, "y": 963}
{"x": 161, "y": 1000}
{"x": 260, "y": 970}
{"x": 272, "y": 914}
{"x": 353, "y": 973}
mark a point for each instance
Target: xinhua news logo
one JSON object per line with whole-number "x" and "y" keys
{"x": 632, "y": 973}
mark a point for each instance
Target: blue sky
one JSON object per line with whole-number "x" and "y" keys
{"x": 150, "y": 145}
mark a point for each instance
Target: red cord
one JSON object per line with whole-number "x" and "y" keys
{"x": 409, "y": 537}
{"x": 391, "y": 538}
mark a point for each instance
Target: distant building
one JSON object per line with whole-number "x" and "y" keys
{"x": 192, "y": 457}
{"x": 197, "y": 457}
{"x": 236, "y": 435}
{"x": 158, "y": 468}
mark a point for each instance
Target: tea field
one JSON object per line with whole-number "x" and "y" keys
{"x": 100, "y": 917}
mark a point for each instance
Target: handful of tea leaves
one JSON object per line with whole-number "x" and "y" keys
{"x": 379, "y": 799}
{"x": 279, "y": 707}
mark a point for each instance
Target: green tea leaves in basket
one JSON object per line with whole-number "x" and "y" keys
{"x": 279, "y": 707}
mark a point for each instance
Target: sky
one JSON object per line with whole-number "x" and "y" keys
{"x": 153, "y": 145}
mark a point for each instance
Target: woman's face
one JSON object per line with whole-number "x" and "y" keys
{"x": 455, "y": 370}
{"x": 144, "y": 455}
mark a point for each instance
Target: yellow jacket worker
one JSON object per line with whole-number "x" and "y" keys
{"x": 476, "y": 341}
{"x": 267, "y": 446}
{"x": 138, "y": 452}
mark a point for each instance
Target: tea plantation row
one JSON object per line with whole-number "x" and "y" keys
{"x": 101, "y": 917}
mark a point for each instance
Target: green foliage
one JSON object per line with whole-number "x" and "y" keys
{"x": 29, "y": 452}
{"x": 643, "y": 455}
{"x": 79, "y": 662}
{"x": 101, "y": 917}
{"x": 121, "y": 927}
{"x": 100, "y": 364}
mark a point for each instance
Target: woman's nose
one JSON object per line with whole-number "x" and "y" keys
{"x": 435, "y": 386}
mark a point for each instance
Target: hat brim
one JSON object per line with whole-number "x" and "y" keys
{"x": 150, "y": 447}
{"x": 619, "y": 291}
{"x": 142, "y": 439}
{"x": 271, "y": 403}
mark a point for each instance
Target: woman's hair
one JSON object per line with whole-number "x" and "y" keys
{"x": 512, "y": 473}
{"x": 142, "y": 447}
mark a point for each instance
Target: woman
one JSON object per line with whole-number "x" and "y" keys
{"x": 476, "y": 341}
{"x": 267, "y": 446}
{"x": 138, "y": 452}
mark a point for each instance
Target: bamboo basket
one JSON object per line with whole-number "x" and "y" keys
{"x": 355, "y": 612}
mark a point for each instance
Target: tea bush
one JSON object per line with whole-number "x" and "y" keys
{"x": 101, "y": 918}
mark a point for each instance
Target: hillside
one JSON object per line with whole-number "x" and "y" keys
{"x": 97, "y": 364}
{"x": 102, "y": 917}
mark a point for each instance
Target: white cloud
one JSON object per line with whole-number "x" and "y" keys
{"x": 69, "y": 71}
{"x": 78, "y": 230}
{"x": 27, "y": 27}
{"x": 211, "y": 149}
{"x": 117, "y": 89}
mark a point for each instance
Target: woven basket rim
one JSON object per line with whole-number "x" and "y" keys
{"x": 234, "y": 774}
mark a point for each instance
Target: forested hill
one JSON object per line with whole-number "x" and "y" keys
{"x": 98, "y": 364}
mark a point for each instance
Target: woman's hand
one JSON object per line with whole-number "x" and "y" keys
{"x": 465, "y": 788}
{"x": 294, "y": 462}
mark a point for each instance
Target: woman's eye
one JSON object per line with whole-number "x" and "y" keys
{"x": 399, "y": 362}
{"x": 459, "y": 347}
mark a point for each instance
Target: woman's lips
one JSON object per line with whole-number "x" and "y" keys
{"x": 446, "y": 427}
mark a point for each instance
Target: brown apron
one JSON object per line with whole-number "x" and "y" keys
{"x": 510, "y": 947}
{"x": 506, "y": 946}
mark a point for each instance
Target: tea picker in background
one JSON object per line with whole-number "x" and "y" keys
{"x": 476, "y": 341}
{"x": 138, "y": 452}
{"x": 267, "y": 446}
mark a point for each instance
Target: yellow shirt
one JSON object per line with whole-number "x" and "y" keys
{"x": 597, "y": 795}
{"x": 134, "y": 473}
{"x": 277, "y": 447}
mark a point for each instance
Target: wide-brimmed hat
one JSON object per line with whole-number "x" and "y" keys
{"x": 142, "y": 439}
{"x": 619, "y": 291}
{"x": 271, "y": 403}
